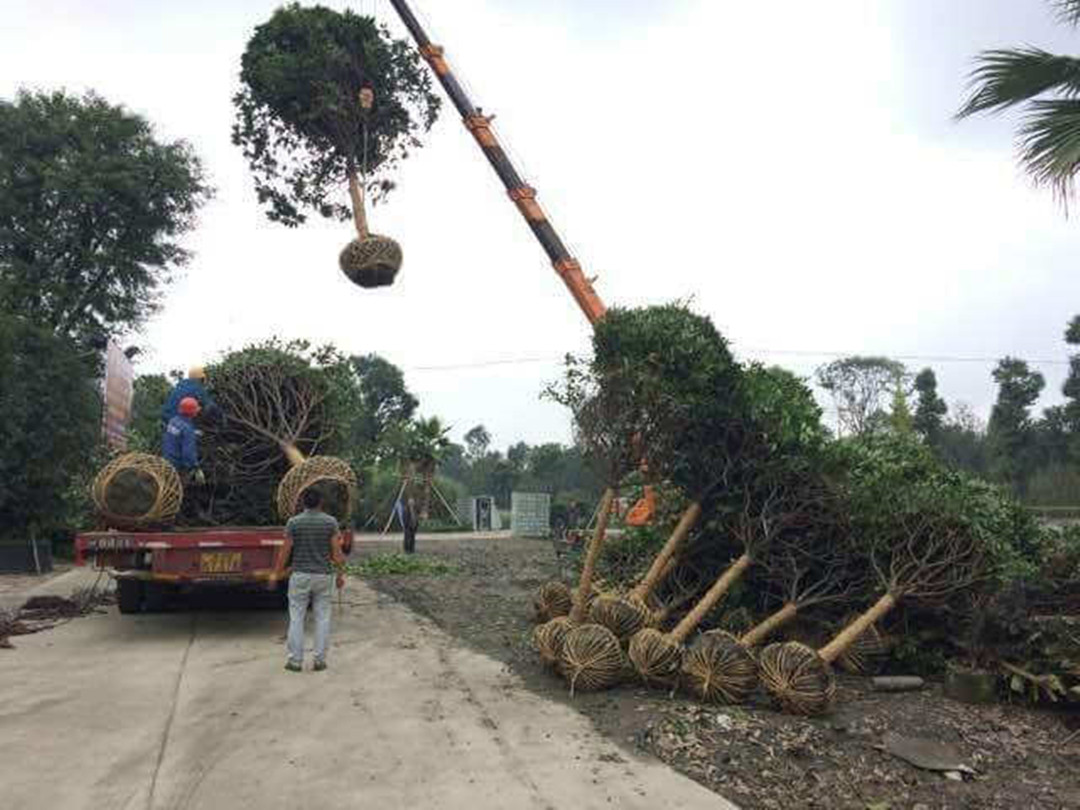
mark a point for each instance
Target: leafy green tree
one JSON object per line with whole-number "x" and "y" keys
{"x": 1011, "y": 430}
{"x": 381, "y": 402}
{"x": 1045, "y": 85}
{"x": 148, "y": 396}
{"x": 477, "y": 441}
{"x": 1071, "y": 389}
{"x": 50, "y": 428}
{"x": 858, "y": 386}
{"x": 91, "y": 210}
{"x": 298, "y": 115}
{"x": 930, "y": 409}
{"x": 962, "y": 442}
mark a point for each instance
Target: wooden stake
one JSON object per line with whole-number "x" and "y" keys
{"x": 846, "y": 637}
{"x": 577, "y": 613}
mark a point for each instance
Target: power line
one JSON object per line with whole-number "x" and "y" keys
{"x": 921, "y": 358}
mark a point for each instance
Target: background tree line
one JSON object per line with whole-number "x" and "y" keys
{"x": 1036, "y": 455}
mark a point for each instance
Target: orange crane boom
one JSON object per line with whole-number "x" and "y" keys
{"x": 523, "y": 195}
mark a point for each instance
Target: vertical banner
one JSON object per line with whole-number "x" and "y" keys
{"x": 116, "y": 393}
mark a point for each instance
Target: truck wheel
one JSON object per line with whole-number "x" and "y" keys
{"x": 129, "y": 595}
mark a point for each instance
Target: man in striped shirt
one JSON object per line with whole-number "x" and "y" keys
{"x": 315, "y": 541}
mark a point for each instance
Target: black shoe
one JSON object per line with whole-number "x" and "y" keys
{"x": 319, "y": 666}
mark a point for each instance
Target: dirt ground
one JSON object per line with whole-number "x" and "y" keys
{"x": 752, "y": 754}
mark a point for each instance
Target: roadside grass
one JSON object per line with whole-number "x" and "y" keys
{"x": 398, "y": 564}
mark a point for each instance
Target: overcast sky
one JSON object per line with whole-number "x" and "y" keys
{"x": 792, "y": 166}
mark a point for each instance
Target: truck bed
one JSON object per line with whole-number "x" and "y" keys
{"x": 185, "y": 556}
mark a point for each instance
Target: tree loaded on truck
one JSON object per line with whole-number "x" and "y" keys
{"x": 284, "y": 408}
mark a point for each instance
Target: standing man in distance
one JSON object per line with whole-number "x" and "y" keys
{"x": 410, "y": 522}
{"x": 315, "y": 542}
{"x": 179, "y": 442}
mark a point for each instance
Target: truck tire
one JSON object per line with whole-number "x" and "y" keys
{"x": 129, "y": 595}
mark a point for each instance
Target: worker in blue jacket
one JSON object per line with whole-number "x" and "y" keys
{"x": 194, "y": 386}
{"x": 180, "y": 443}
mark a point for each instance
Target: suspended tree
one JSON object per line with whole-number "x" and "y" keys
{"x": 329, "y": 98}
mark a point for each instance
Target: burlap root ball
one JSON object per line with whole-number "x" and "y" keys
{"x": 866, "y": 653}
{"x": 552, "y": 599}
{"x": 656, "y": 658}
{"x": 718, "y": 669}
{"x": 371, "y": 262}
{"x": 797, "y": 678}
{"x": 623, "y": 617}
{"x": 592, "y": 658}
{"x": 137, "y": 490}
{"x": 334, "y": 479}
{"x": 549, "y": 639}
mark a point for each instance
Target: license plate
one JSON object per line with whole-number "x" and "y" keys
{"x": 220, "y": 562}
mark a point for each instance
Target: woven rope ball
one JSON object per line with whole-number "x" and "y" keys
{"x": 623, "y": 617}
{"x": 797, "y": 678}
{"x": 718, "y": 669}
{"x": 552, "y": 599}
{"x": 137, "y": 490}
{"x": 371, "y": 262}
{"x": 657, "y": 659}
{"x": 866, "y": 653}
{"x": 592, "y": 658}
{"x": 549, "y": 639}
{"x": 334, "y": 478}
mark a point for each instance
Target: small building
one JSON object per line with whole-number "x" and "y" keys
{"x": 479, "y": 513}
{"x": 530, "y": 514}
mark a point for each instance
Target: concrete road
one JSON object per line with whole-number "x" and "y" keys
{"x": 194, "y": 710}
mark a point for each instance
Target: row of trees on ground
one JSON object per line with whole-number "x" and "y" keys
{"x": 1036, "y": 455}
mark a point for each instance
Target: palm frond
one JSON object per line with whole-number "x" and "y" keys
{"x": 1004, "y": 77}
{"x": 1068, "y": 11}
{"x": 1050, "y": 145}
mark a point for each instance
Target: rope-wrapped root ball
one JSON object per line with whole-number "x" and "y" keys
{"x": 552, "y": 599}
{"x": 623, "y": 616}
{"x": 334, "y": 479}
{"x": 373, "y": 261}
{"x": 718, "y": 669}
{"x": 592, "y": 658}
{"x": 549, "y": 639}
{"x": 137, "y": 490}
{"x": 656, "y": 656}
{"x": 797, "y": 678}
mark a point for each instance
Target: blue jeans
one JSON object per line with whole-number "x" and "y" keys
{"x": 319, "y": 588}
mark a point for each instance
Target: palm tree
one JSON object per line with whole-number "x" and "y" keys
{"x": 420, "y": 446}
{"x": 1048, "y": 87}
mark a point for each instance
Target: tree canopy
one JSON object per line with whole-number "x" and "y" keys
{"x": 51, "y": 424}
{"x": 298, "y": 116}
{"x": 92, "y": 208}
{"x": 858, "y": 386}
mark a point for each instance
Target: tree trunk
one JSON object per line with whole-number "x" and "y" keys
{"x": 577, "y": 614}
{"x": 295, "y": 457}
{"x": 846, "y": 637}
{"x": 359, "y": 214}
{"x": 761, "y": 631}
{"x": 659, "y": 565}
{"x": 710, "y": 599}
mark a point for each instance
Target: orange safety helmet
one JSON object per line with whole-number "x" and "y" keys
{"x": 189, "y": 406}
